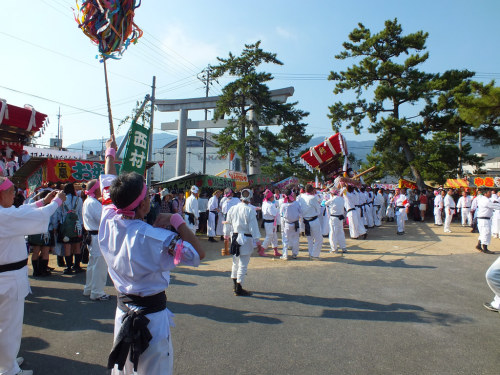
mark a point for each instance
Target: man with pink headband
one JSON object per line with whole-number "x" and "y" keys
{"x": 97, "y": 269}
{"x": 139, "y": 258}
{"x": 15, "y": 223}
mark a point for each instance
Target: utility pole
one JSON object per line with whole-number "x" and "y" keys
{"x": 59, "y": 143}
{"x": 204, "y": 77}
{"x": 151, "y": 122}
{"x": 460, "y": 169}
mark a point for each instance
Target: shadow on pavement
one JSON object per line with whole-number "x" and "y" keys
{"x": 49, "y": 364}
{"x": 220, "y": 314}
{"x": 67, "y": 310}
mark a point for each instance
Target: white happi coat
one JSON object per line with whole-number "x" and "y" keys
{"x": 225, "y": 206}
{"x": 139, "y": 264}
{"x": 97, "y": 269}
{"x": 290, "y": 213}
{"x": 401, "y": 204}
{"x": 336, "y": 206}
{"x": 213, "y": 207}
{"x": 438, "y": 209}
{"x": 310, "y": 207}
{"x": 191, "y": 206}
{"x": 15, "y": 223}
{"x": 484, "y": 212}
{"x": 449, "y": 211}
{"x": 270, "y": 211}
{"x": 464, "y": 205}
{"x": 378, "y": 209}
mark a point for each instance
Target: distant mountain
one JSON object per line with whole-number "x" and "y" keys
{"x": 159, "y": 140}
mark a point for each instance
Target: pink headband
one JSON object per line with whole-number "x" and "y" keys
{"x": 288, "y": 198}
{"x": 267, "y": 195}
{"x": 6, "y": 184}
{"x": 90, "y": 192}
{"x": 129, "y": 210}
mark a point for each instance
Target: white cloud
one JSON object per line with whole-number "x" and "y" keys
{"x": 286, "y": 34}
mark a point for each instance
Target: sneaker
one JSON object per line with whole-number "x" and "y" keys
{"x": 488, "y": 306}
{"x": 104, "y": 297}
{"x": 19, "y": 361}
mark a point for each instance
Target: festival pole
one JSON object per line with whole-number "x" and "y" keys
{"x": 110, "y": 116}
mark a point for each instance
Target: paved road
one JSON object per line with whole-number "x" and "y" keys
{"x": 394, "y": 305}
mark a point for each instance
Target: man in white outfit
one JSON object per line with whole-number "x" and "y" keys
{"x": 228, "y": 201}
{"x": 191, "y": 211}
{"x": 464, "y": 205}
{"x": 337, "y": 214}
{"x": 290, "y": 214}
{"x": 213, "y": 215}
{"x": 97, "y": 269}
{"x": 311, "y": 209}
{"x": 15, "y": 224}
{"x": 356, "y": 227}
{"x": 401, "y": 206}
{"x": 270, "y": 212}
{"x": 244, "y": 231}
{"x": 438, "y": 207}
{"x": 378, "y": 208}
{"x": 449, "y": 210}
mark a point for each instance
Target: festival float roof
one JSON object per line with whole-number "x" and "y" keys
{"x": 456, "y": 183}
{"x": 18, "y": 124}
{"x": 325, "y": 156}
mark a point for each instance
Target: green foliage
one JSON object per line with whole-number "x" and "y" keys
{"x": 249, "y": 92}
{"x": 144, "y": 116}
{"x": 386, "y": 79}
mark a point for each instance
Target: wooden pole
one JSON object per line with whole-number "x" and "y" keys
{"x": 365, "y": 172}
{"x": 110, "y": 116}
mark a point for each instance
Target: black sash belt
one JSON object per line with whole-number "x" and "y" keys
{"x": 340, "y": 217}
{"x": 400, "y": 207}
{"x": 295, "y": 223}
{"x": 307, "y": 226}
{"x": 13, "y": 266}
{"x": 484, "y": 217}
{"x": 235, "y": 246}
{"x": 266, "y": 221}
{"x": 134, "y": 335}
{"x": 93, "y": 232}
{"x": 350, "y": 209}
{"x": 190, "y": 217}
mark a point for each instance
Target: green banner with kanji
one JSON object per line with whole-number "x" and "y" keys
{"x": 136, "y": 152}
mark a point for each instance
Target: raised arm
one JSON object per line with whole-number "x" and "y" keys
{"x": 109, "y": 164}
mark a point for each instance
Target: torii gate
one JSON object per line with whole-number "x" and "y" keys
{"x": 183, "y": 124}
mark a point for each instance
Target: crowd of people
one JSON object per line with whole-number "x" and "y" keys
{"x": 119, "y": 227}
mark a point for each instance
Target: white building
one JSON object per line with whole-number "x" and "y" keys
{"x": 490, "y": 166}
{"x": 194, "y": 158}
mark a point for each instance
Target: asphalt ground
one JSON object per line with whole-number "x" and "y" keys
{"x": 393, "y": 304}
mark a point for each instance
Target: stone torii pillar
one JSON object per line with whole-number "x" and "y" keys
{"x": 183, "y": 124}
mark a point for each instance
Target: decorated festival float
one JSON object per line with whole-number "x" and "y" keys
{"x": 330, "y": 157}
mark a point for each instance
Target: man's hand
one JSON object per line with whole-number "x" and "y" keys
{"x": 111, "y": 143}
{"x": 162, "y": 221}
{"x": 48, "y": 198}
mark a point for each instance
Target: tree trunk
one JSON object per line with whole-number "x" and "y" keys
{"x": 244, "y": 153}
{"x": 409, "y": 158}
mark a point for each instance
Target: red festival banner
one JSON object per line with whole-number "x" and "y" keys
{"x": 74, "y": 170}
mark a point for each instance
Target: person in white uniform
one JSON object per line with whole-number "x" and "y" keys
{"x": 495, "y": 219}
{"x": 356, "y": 227}
{"x": 15, "y": 224}
{"x": 191, "y": 211}
{"x": 290, "y": 214}
{"x": 311, "y": 209}
{"x": 484, "y": 212}
{"x": 228, "y": 201}
{"x": 336, "y": 237}
{"x": 464, "y": 204}
{"x": 139, "y": 258}
{"x": 244, "y": 234}
{"x": 270, "y": 212}
{"x": 213, "y": 215}
{"x": 97, "y": 269}
{"x": 378, "y": 208}
{"x": 438, "y": 207}
{"x": 449, "y": 210}
{"x": 401, "y": 206}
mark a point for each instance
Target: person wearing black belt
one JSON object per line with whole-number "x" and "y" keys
{"x": 290, "y": 215}
{"x": 97, "y": 269}
{"x": 245, "y": 235}
{"x": 337, "y": 214}
{"x": 270, "y": 214}
{"x": 464, "y": 206}
{"x": 139, "y": 258}
{"x": 401, "y": 204}
{"x": 311, "y": 208}
{"x": 15, "y": 224}
{"x": 213, "y": 215}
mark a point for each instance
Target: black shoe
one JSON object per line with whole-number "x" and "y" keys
{"x": 211, "y": 239}
{"x": 478, "y": 246}
{"x": 68, "y": 271}
{"x": 486, "y": 251}
{"x": 488, "y": 306}
{"x": 78, "y": 269}
{"x": 241, "y": 292}
{"x": 364, "y": 236}
{"x": 222, "y": 238}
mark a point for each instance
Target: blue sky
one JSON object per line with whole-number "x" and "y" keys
{"x": 45, "y": 54}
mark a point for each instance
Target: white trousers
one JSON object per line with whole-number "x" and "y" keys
{"x": 353, "y": 225}
{"x": 337, "y": 236}
{"x": 240, "y": 267}
{"x": 484, "y": 228}
{"x": 369, "y": 215}
{"x": 447, "y": 219}
{"x": 377, "y": 216}
{"x": 271, "y": 236}
{"x": 211, "y": 224}
{"x": 438, "y": 218}
{"x": 158, "y": 358}
{"x": 400, "y": 219}
{"x": 315, "y": 240}
{"x": 96, "y": 276}
{"x": 466, "y": 216}
{"x": 290, "y": 239}
{"x": 495, "y": 223}
{"x": 11, "y": 328}
{"x": 325, "y": 220}
{"x": 493, "y": 280}
{"x": 359, "y": 222}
